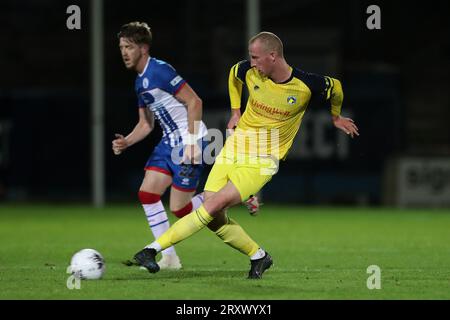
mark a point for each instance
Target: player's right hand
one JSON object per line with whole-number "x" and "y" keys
{"x": 119, "y": 144}
{"x": 233, "y": 122}
{"x": 235, "y": 116}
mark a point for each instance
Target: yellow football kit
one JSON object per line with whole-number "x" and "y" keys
{"x": 264, "y": 134}
{"x": 267, "y": 128}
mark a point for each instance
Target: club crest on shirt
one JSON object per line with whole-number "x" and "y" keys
{"x": 291, "y": 100}
{"x": 145, "y": 83}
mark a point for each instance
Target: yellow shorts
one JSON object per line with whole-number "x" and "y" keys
{"x": 247, "y": 173}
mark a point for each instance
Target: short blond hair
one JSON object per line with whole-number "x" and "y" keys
{"x": 270, "y": 41}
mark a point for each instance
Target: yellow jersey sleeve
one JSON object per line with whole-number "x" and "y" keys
{"x": 236, "y": 80}
{"x": 336, "y": 97}
{"x": 325, "y": 88}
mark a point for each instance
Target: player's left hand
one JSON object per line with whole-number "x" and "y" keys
{"x": 192, "y": 154}
{"x": 119, "y": 144}
{"x": 346, "y": 124}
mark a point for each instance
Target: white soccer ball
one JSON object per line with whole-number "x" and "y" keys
{"x": 87, "y": 264}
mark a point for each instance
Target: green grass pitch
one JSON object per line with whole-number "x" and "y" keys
{"x": 319, "y": 253}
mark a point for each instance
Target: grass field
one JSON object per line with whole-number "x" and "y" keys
{"x": 319, "y": 253}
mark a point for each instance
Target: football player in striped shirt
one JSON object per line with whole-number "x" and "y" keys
{"x": 176, "y": 162}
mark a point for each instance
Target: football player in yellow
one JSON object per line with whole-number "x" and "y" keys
{"x": 279, "y": 95}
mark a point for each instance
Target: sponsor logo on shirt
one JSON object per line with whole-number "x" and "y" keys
{"x": 268, "y": 111}
{"x": 175, "y": 81}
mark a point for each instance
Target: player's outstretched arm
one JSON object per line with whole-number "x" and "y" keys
{"x": 141, "y": 130}
{"x": 336, "y": 96}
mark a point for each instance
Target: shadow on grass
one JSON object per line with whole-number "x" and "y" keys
{"x": 182, "y": 275}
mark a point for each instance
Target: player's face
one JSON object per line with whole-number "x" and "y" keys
{"x": 260, "y": 58}
{"x": 131, "y": 53}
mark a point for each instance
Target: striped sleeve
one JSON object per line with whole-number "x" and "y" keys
{"x": 336, "y": 97}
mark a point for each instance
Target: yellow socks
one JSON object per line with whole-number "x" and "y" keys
{"x": 185, "y": 227}
{"x": 233, "y": 235}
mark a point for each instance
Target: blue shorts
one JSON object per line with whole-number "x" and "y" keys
{"x": 185, "y": 177}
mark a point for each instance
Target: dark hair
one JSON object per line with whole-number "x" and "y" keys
{"x": 137, "y": 32}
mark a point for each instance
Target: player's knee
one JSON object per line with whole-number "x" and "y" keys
{"x": 181, "y": 212}
{"x": 215, "y": 204}
{"x": 148, "y": 198}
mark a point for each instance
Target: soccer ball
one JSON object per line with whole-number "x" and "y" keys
{"x": 87, "y": 264}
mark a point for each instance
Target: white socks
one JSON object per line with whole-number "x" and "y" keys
{"x": 258, "y": 255}
{"x": 158, "y": 222}
{"x": 155, "y": 245}
{"x": 197, "y": 201}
